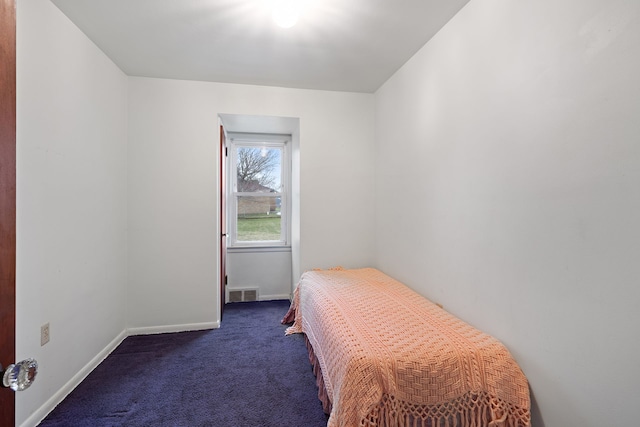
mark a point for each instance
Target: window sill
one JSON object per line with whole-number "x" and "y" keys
{"x": 256, "y": 249}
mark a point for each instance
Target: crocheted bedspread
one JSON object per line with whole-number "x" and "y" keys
{"x": 390, "y": 357}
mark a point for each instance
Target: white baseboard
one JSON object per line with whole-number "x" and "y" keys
{"x": 150, "y": 330}
{"x": 59, "y": 396}
{"x": 273, "y": 297}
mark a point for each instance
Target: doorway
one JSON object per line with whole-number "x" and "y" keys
{"x": 7, "y": 200}
{"x": 261, "y": 266}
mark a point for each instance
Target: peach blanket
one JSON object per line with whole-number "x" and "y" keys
{"x": 390, "y": 357}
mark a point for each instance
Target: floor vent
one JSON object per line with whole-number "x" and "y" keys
{"x": 241, "y": 295}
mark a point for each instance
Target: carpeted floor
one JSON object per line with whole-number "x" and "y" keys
{"x": 247, "y": 373}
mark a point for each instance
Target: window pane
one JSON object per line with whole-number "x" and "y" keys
{"x": 258, "y": 219}
{"x": 259, "y": 169}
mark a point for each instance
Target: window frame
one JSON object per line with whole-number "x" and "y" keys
{"x": 258, "y": 141}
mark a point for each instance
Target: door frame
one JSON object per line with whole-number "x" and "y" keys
{"x": 7, "y": 200}
{"x": 222, "y": 167}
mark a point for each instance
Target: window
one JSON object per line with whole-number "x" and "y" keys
{"x": 259, "y": 179}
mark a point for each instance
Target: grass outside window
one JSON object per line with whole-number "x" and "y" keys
{"x": 253, "y": 228}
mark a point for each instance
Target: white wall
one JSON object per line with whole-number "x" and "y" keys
{"x": 173, "y": 210}
{"x": 267, "y": 271}
{"x": 71, "y": 203}
{"x": 508, "y": 171}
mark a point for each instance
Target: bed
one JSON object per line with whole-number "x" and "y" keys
{"x": 385, "y": 356}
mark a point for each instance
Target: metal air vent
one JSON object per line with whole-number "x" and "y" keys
{"x": 242, "y": 295}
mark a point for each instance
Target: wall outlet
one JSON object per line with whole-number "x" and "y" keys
{"x": 44, "y": 334}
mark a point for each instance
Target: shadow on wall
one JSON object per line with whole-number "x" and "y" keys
{"x": 536, "y": 415}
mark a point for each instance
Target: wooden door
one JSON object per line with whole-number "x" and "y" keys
{"x": 7, "y": 200}
{"x": 223, "y": 219}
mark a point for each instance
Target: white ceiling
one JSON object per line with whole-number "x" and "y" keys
{"x": 344, "y": 45}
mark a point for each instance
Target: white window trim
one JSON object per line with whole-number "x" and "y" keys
{"x": 259, "y": 140}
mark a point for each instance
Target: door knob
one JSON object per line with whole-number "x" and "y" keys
{"x": 19, "y": 376}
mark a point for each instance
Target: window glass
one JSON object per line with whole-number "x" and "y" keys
{"x": 259, "y": 201}
{"x": 259, "y": 169}
{"x": 259, "y": 219}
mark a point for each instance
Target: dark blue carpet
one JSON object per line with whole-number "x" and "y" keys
{"x": 247, "y": 373}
